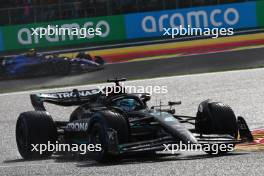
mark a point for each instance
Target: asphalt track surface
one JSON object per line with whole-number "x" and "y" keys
{"x": 201, "y": 63}
{"x": 243, "y": 90}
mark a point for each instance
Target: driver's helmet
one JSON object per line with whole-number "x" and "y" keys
{"x": 127, "y": 104}
{"x": 31, "y": 52}
{"x": 81, "y": 55}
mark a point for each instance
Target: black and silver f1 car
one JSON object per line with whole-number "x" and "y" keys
{"x": 122, "y": 124}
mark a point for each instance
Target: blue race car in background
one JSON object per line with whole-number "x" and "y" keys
{"x": 29, "y": 65}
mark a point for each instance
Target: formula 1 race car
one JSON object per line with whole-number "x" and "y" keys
{"x": 123, "y": 124}
{"x": 42, "y": 65}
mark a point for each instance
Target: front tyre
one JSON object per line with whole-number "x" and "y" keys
{"x": 32, "y": 128}
{"x": 99, "y": 60}
{"x": 217, "y": 118}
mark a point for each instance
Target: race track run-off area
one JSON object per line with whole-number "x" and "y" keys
{"x": 243, "y": 90}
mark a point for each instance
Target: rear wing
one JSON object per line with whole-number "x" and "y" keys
{"x": 71, "y": 98}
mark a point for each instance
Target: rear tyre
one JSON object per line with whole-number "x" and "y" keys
{"x": 99, "y": 137}
{"x": 35, "y": 127}
{"x": 98, "y": 134}
{"x": 62, "y": 68}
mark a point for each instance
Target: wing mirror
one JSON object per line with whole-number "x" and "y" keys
{"x": 145, "y": 98}
{"x": 173, "y": 103}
